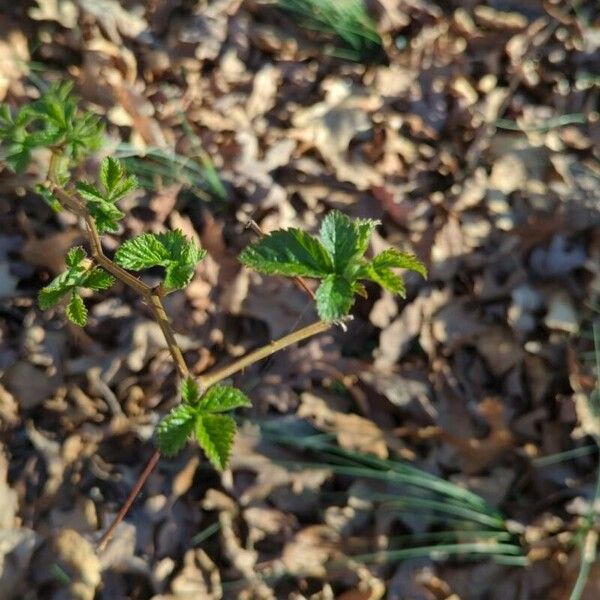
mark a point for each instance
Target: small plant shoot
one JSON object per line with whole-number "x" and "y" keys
{"x": 101, "y": 200}
{"x": 201, "y": 415}
{"x": 80, "y": 273}
{"x": 336, "y": 258}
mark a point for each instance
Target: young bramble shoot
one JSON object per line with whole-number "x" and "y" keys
{"x": 337, "y": 258}
{"x": 54, "y": 121}
{"x": 171, "y": 250}
{"x": 80, "y": 273}
{"x": 101, "y": 201}
{"x": 200, "y": 414}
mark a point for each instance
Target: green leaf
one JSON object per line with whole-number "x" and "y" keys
{"x": 123, "y": 187}
{"x": 289, "y": 252}
{"x": 175, "y": 429}
{"x": 97, "y": 279}
{"x": 215, "y": 434}
{"x": 380, "y": 268}
{"x": 364, "y": 229}
{"x": 60, "y": 286}
{"x": 106, "y": 216}
{"x": 5, "y": 116}
{"x": 75, "y": 256}
{"x": 392, "y": 258}
{"x": 49, "y": 198}
{"x": 101, "y": 204}
{"x": 386, "y": 278}
{"x": 335, "y": 298}
{"x": 171, "y": 250}
{"x": 178, "y": 276}
{"x": 222, "y": 398}
{"x": 111, "y": 172}
{"x": 17, "y": 156}
{"x": 339, "y": 235}
{"x": 142, "y": 252}
{"x": 190, "y": 391}
{"x": 76, "y": 310}
{"x": 89, "y": 192}
{"x": 51, "y": 295}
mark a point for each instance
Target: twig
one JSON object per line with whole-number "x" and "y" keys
{"x": 249, "y": 359}
{"x": 139, "y": 484}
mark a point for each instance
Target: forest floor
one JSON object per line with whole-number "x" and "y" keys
{"x": 444, "y": 445}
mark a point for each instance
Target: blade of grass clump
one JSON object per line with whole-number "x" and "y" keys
{"x": 206, "y": 533}
{"x": 506, "y": 554}
{"x": 553, "y": 459}
{"x": 384, "y": 469}
{"x": 162, "y": 167}
{"x": 207, "y": 166}
{"x": 346, "y": 19}
{"x": 440, "y": 552}
{"x": 588, "y": 533}
{"x": 397, "y": 478}
{"x": 549, "y": 124}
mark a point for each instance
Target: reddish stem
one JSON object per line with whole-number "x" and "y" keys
{"x": 139, "y": 484}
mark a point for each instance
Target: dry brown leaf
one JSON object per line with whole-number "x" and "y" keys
{"x": 479, "y": 454}
{"x": 331, "y": 126}
{"x": 353, "y": 432}
{"x": 77, "y": 556}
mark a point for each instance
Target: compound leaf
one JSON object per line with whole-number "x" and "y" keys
{"x": 364, "y": 229}
{"x": 175, "y": 429}
{"x": 215, "y": 434}
{"x": 177, "y": 275}
{"x": 51, "y": 295}
{"x": 106, "y": 216}
{"x": 335, "y": 297}
{"x": 289, "y": 252}
{"x": 76, "y": 310}
{"x": 49, "y": 198}
{"x": 386, "y": 278}
{"x": 222, "y": 398}
{"x": 89, "y": 192}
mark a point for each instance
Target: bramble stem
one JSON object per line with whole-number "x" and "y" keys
{"x": 153, "y": 298}
{"x": 249, "y": 359}
{"x": 139, "y": 484}
{"x": 206, "y": 382}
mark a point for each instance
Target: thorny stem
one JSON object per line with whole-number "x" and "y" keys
{"x": 135, "y": 490}
{"x": 206, "y": 382}
{"x": 153, "y": 298}
{"x": 249, "y": 359}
